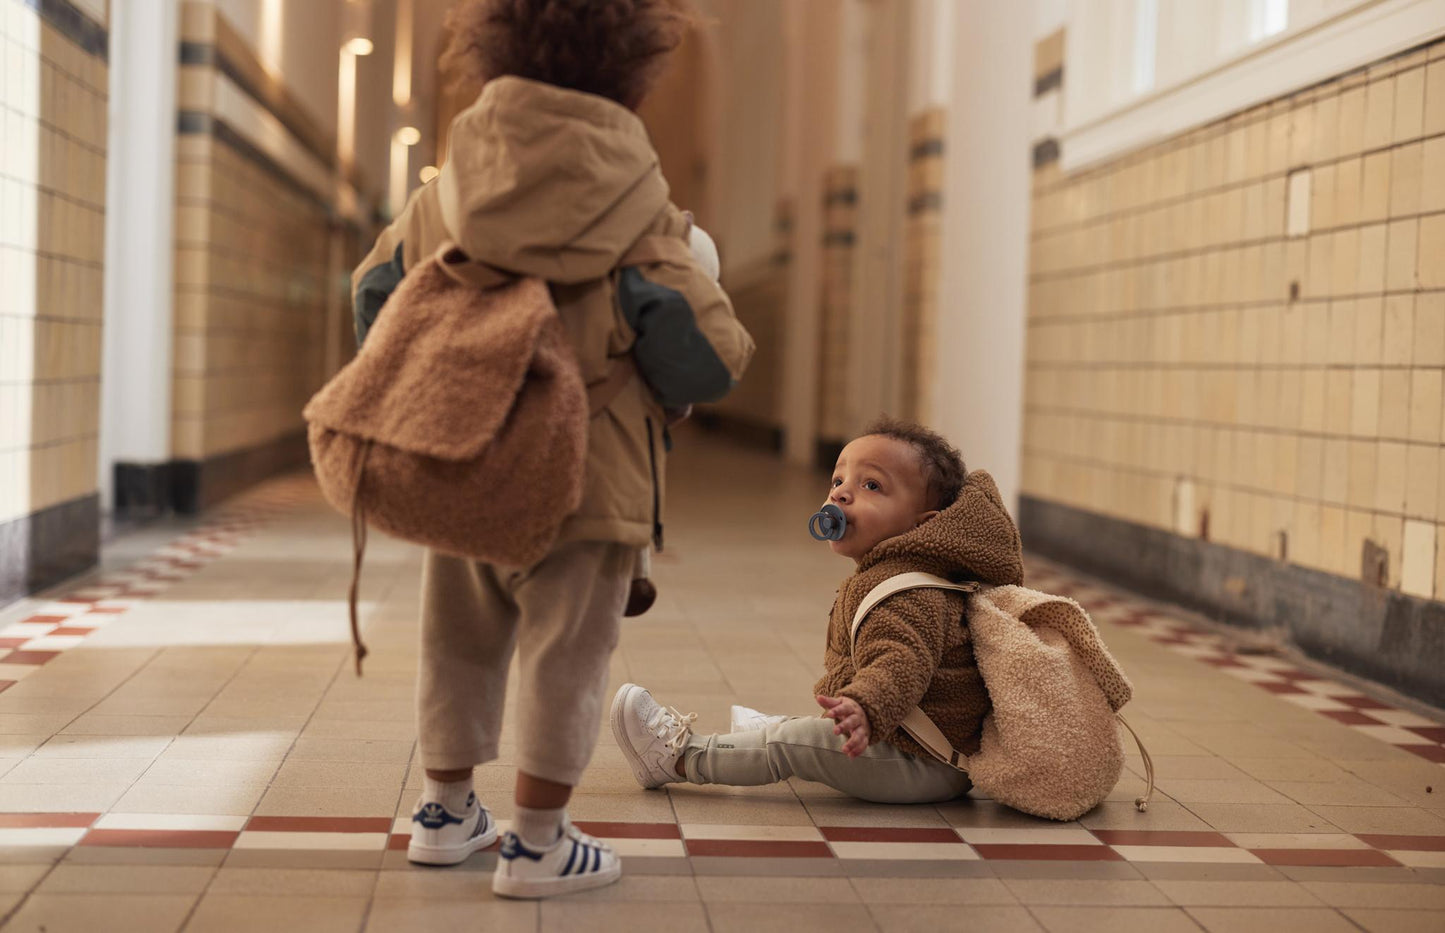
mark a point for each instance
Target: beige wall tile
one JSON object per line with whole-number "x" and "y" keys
{"x": 1309, "y": 467}
{"x": 1430, "y": 262}
{"x": 1312, "y": 400}
{"x": 1409, "y": 104}
{"x": 1339, "y": 397}
{"x": 1370, "y": 276}
{"x": 1342, "y": 326}
{"x": 1379, "y": 113}
{"x": 1374, "y": 187}
{"x": 1348, "y": 191}
{"x": 1429, "y": 344}
{"x": 1422, "y": 482}
{"x": 1321, "y": 266}
{"x": 1432, "y": 177}
{"x": 1395, "y": 404}
{"x": 1326, "y": 127}
{"x": 1351, "y": 125}
{"x": 1365, "y": 410}
{"x": 1419, "y": 561}
{"x": 1425, "y": 405}
{"x": 1369, "y": 326}
{"x": 1390, "y": 478}
{"x": 1359, "y": 474}
{"x": 1401, "y": 249}
{"x": 1332, "y": 551}
{"x": 1322, "y": 198}
{"x": 1435, "y": 98}
{"x": 1406, "y": 177}
{"x": 1345, "y": 264}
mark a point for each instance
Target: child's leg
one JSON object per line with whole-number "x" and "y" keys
{"x": 571, "y": 607}
{"x": 807, "y": 748}
{"x": 468, "y": 630}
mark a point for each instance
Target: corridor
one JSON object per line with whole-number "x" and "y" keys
{"x": 186, "y": 747}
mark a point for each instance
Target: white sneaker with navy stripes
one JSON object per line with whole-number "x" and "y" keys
{"x": 441, "y": 837}
{"x": 575, "y": 862}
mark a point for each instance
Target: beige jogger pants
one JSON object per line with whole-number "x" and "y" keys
{"x": 807, "y": 748}
{"x": 561, "y": 616}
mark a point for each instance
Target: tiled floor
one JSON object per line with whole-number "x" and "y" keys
{"x": 183, "y": 745}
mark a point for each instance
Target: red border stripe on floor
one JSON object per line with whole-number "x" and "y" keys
{"x": 1403, "y": 843}
{"x": 1333, "y": 858}
{"x": 1047, "y": 853}
{"x": 888, "y": 834}
{"x": 613, "y": 830}
{"x": 1145, "y": 837}
{"x": 319, "y": 824}
{"x": 758, "y": 848}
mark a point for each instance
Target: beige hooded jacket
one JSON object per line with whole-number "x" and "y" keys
{"x": 558, "y": 184}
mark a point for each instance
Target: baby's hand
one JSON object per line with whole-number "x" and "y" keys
{"x": 852, "y": 722}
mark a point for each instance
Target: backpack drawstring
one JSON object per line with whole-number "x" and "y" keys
{"x": 358, "y": 548}
{"x": 1142, "y": 802}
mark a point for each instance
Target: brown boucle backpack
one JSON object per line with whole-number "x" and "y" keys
{"x": 461, "y": 424}
{"x": 1049, "y": 746}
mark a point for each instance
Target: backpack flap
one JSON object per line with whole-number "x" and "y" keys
{"x": 440, "y": 372}
{"x": 1051, "y": 745}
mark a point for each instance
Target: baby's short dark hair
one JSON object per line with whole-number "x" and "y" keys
{"x": 943, "y": 468}
{"x": 612, "y": 48}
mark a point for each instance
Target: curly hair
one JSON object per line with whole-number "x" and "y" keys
{"x": 943, "y": 467}
{"x": 613, "y": 48}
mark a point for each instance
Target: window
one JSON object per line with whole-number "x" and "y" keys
{"x": 1140, "y": 70}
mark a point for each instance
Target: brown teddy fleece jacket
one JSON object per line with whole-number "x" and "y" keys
{"x": 914, "y": 648}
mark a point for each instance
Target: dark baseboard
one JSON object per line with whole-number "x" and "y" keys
{"x": 45, "y": 547}
{"x": 743, "y": 430}
{"x": 1384, "y": 635}
{"x": 192, "y": 486}
{"x": 826, "y": 454}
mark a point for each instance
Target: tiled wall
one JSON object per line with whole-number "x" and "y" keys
{"x": 53, "y": 88}
{"x": 922, "y": 247}
{"x": 252, "y": 243}
{"x": 1239, "y": 333}
{"x": 250, "y": 301}
{"x": 840, "y": 222}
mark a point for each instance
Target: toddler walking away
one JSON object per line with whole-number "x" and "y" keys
{"x": 910, "y": 505}
{"x": 550, "y": 173}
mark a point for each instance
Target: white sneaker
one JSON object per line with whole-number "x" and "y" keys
{"x": 441, "y": 837}
{"x": 575, "y": 862}
{"x": 651, "y": 736}
{"x": 745, "y": 719}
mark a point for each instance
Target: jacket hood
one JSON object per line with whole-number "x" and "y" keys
{"x": 549, "y": 182}
{"x": 972, "y": 539}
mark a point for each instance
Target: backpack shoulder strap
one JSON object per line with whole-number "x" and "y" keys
{"x": 917, "y": 724}
{"x": 897, "y": 584}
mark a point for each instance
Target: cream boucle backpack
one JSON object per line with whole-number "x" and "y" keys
{"x": 1050, "y": 746}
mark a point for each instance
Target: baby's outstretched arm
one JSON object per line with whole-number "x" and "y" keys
{"x": 851, "y": 721}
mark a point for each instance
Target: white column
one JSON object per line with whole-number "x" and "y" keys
{"x": 811, "y": 37}
{"x": 978, "y": 393}
{"x": 135, "y": 424}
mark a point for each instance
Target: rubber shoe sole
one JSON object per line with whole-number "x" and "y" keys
{"x": 450, "y": 855}
{"x": 535, "y": 888}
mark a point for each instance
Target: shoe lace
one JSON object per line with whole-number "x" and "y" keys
{"x": 673, "y": 727}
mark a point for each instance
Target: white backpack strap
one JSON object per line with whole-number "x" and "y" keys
{"x": 917, "y": 724}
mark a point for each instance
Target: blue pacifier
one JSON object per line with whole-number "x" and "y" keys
{"x": 828, "y": 523}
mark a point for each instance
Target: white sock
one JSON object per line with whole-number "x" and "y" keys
{"x": 451, "y": 794}
{"x": 539, "y": 828}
